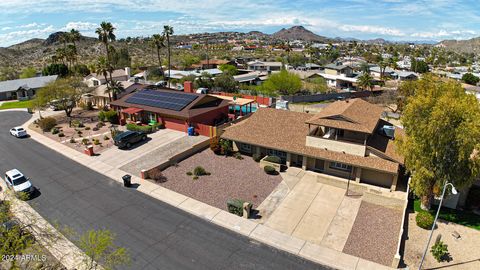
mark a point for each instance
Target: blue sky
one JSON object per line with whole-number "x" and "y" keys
{"x": 406, "y": 20}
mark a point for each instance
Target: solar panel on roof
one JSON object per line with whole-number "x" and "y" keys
{"x": 160, "y": 99}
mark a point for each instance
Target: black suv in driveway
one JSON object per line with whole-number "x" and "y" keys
{"x": 128, "y": 138}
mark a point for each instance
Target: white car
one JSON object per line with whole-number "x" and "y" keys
{"x": 18, "y": 182}
{"x": 18, "y": 132}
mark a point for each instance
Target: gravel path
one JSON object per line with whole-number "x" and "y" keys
{"x": 230, "y": 178}
{"x": 374, "y": 235}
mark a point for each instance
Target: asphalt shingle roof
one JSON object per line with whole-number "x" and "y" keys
{"x": 35, "y": 82}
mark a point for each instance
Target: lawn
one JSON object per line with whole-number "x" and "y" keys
{"x": 16, "y": 104}
{"x": 464, "y": 218}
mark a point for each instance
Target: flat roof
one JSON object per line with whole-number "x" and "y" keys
{"x": 238, "y": 101}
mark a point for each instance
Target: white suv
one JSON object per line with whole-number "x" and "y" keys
{"x": 18, "y": 132}
{"x": 18, "y": 182}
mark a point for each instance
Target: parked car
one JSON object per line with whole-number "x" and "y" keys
{"x": 128, "y": 138}
{"x": 18, "y": 132}
{"x": 18, "y": 182}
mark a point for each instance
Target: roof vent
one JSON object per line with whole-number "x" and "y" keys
{"x": 389, "y": 131}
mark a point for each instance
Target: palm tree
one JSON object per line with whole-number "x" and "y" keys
{"x": 365, "y": 81}
{"x": 158, "y": 42}
{"x": 167, "y": 32}
{"x": 74, "y": 36}
{"x": 116, "y": 87}
{"x": 106, "y": 35}
{"x": 102, "y": 67}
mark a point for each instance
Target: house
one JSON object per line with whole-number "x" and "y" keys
{"x": 338, "y": 69}
{"x": 212, "y": 63}
{"x": 376, "y": 73}
{"x": 264, "y": 66}
{"x": 22, "y": 89}
{"x": 100, "y": 98}
{"x": 405, "y": 75}
{"x": 176, "y": 110}
{"x": 179, "y": 74}
{"x": 347, "y": 140}
{"x": 119, "y": 75}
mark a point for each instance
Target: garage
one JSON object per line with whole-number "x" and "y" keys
{"x": 376, "y": 178}
{"x": 175, "y": 124}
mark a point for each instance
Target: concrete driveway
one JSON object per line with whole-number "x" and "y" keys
{"x": 315, "y": 212}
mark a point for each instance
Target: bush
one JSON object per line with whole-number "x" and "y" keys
{"x": 47, "y": 123}
{"x": 55, "y": 131}
{"x": 87, "y": 128}
{"x": 85, "y": 141}
{"x": 273, "y": 159}
{"x": 199, "y": 171}
{"x": 111, "y": 116}
{"x": 159, "y": 126}
{"x": 440, "y": 251}
{"x": 235, "y": 206}
{"x": 195, "y": 177}
{"x": 106, "y": 138}
{"x": 99, "y": 125}
{"x": 88, "y": 106}
{"x": 144, "y": 129}
{"x": 189, "y": 173}
{"x": 424, "y": 220}
{"x": 270, "y": 170}
{"x": 101, "y": 116}
{"x": 257, "y": 157}
{"x": 94, "y": 129}
{"x": 72, "y": 140}
{"x": 61, "y": 134}
{"x": 96, "y": 141}
{"x": 156, "y": 174}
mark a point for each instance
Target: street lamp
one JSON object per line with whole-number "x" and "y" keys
{"x": 454, "y": 192}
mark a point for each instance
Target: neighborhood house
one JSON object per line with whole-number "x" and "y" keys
{"x": 119, "y": 75}
{"x": 23, "y": 88}
{"x": 348, "y": 139}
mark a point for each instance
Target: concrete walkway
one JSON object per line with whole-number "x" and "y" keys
{"x": 259, "y": 232}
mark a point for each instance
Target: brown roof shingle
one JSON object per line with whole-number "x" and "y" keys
{"x": 286, "y": 131}
{"x": 356, "y": 115}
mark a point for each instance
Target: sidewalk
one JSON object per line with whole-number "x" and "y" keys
{"x": 249, "y": 228}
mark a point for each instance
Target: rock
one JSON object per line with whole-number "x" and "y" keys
{"x": 456, "y": 235}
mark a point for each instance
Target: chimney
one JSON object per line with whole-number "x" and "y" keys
{"x": 127, "y": 72}
{"x": 188, "y": 87}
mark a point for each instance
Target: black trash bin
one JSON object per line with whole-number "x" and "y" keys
{"x": 127, "y": 180}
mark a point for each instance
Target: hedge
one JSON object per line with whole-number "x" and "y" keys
{"x": 47, "y": 123}
{"x": 257, "y": 157}
{"x": 110, "y": 116}
{"x": 270, "y": 170}
{"x": 424, "y": 220}
{"x": 235, "y": 206}
{"x": 273, "y": 159}
{"x": 144, "y": 129}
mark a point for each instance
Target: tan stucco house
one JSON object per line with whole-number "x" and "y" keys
{"x": 347, "y": 139}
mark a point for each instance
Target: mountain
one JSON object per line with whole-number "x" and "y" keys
{"x": 467, "y": 46}
{"x": 298, "y": 32}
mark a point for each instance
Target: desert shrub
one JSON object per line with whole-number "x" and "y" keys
{"x": 85, "y": 141}
{"x": 106, "y": 138}
{"x": 79, "y": 132}
{"x": 440, "y": 250}
{"x": 270, "y": 170}
{"x": 156, "y": 174}
{"x": 55, "y": 130}
{"x": 94, "y": 129}
{"x": 96, "y": 141}
{"x": 87, "y": 128}
{"x": 159, "y": 126}
{"x": 99, "y": 125}
{"x": 144, "y": 129}
{"x": 237, "y": 155}
{"x": 189, "y": 173}
{"x": 273, "y": 159}
{"x": 110, "y": 116}
{"x": 225, "y": 146}
{"x": 235, "y": 206}
{"x": 199, "y": 171}
{"x": 88, "y": 106}
{"x": 424, "y": 220}
{"x": 72, "y": 140}
{"x": 101, "y": 116}
{"x": 195, "y": 177}
{"x": 257, "y": 157}
{"x": 61, "y": 134}
{"x": 47, "y": 123}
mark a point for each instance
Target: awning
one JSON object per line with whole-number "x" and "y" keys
{"x": 131, "y": 110}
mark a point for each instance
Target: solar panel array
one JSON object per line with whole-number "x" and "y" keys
{"x": 161, "y": 99}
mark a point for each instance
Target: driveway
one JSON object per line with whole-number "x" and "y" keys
{"x": 315, "y": 212}
{"x": 157, "y": 235}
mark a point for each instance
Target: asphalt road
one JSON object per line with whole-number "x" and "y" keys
{"x": 157, "y": 235}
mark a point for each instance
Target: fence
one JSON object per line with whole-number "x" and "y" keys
{"x": 328, "y": 96}
{"x": 398, "y": 257}
{"x": 267, "y": 101}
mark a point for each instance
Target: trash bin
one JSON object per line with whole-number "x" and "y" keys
{"x": 191, "y": 131}
{"x": 127, "y": 180}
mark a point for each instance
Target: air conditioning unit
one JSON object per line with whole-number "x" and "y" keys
{"x": 389, "y": 131}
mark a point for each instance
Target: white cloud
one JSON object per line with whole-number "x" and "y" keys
{"x": 81, "y": 26}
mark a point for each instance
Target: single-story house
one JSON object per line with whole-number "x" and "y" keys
{"x": 119, "y": 75}
{"x": 264, "y": 66}
{"x": 338, "y": 69}
{"x": 179, "y": 74}
{"x": 213, "y": 63}
{"x": 99, "y": 95}
{"x": 405, "y": 75}
{"x": 347, "y": 139}
{"x": 176, "y": 110}
{"x": 387, "y": 72}
{"x": 22, "y": 89}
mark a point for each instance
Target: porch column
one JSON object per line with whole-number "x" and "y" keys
{"x": 289, "y": 159}
{"x": 394, "y": 183}
{"x": 304, "y": 163}
{"x": 358, "y": 173}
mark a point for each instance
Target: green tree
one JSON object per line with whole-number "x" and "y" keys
{"x": 115, "y": 88}
{"x": 28, "y": 72}
{"x": 365, "y": 81}
{"x": 102, "y": 67}
{"x": 470, "y": 79}
{"x": 55, "y": 69}
{"x": 204, "y": 81}
{"x": 106, "y": 35}
{"x": 419, "y": 66}
{"x": 283, "y": 83}
{"x": 99, "y": 246}
{"x": 158, "y": 42}
{"x": 167, "y": 33}
{"x": 225, "y": 82}
{"x": 442, "y": 126}
{"x": 187, "y": 60}
{"x": 316, "y": 85}
{"x": 67, "y": 92}
{"x": 229, "y": 69}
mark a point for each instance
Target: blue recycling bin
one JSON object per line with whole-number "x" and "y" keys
{"x": 191, "y": 131}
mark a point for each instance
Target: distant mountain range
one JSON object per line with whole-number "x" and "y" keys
{"x": 298, "y": 33}
{"x": 467, "y": 46}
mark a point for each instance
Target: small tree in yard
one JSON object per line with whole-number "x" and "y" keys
{"x": 68, "y": 92}
{"x": 440, "y": 250}
{"x": 282, "y": 83}
{"x": 442, "y": 128}
{"x": 99, "y": 247}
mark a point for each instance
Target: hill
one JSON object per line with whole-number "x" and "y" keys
{"x": 298, "y": 32}
{"x": 467, "y": 46}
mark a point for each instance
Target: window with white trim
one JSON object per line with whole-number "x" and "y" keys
{"x": 340, "y": 166}
{"x": 244, "y": 147}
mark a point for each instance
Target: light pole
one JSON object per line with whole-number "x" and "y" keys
{"x": 454, "y": 192}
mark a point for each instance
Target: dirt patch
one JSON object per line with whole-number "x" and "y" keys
{"x": 374, "y": 234}
{"x": 229, "y": 178}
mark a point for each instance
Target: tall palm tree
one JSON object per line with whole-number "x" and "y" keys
{"x": 158, "y": 42}
{"x": 74, "y": 36}
{"x": 106, "y": 35}
{"x": 167, "y": 32}
{"x": 102, "y": 67}
{"x": 116, "y": 87}
{"x": 365, "y": 81}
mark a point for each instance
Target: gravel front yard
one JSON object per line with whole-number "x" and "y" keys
{"x": 374, "y": 234}
{"x": 230, "y": 178}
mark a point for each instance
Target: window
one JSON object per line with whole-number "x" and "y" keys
{"x": 245, "y": 148}
{"x": 340, "y": 166}
{"x": 280, "y": 154}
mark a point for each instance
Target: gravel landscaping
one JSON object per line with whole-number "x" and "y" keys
{"x": 229, "y": 178}
{"x": 374, "y": 234}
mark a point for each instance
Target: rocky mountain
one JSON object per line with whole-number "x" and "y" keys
{"x": 467, "y": 46}
{"x": 298, "y": 32}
